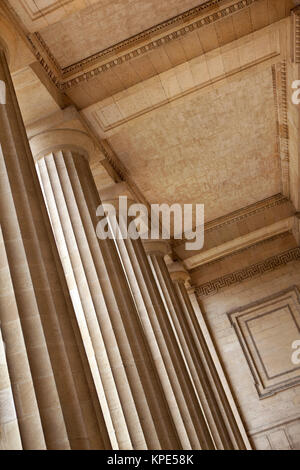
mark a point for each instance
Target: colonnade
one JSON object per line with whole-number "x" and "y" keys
{"x": 103, "y": 348}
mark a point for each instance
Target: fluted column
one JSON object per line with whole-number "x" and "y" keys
{"x": 174, "y": 375}
{"x": 223, "y": 428}
{"x": 55, "y": 407}
{"x": 222, "y": 416}
{"x": 9, "y": 430}
{"x": 132, "y": 397}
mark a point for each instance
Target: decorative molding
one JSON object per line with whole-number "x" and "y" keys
{"x": 244, "y": 213}
{"x": 214, "y": 286}
{"x": 63, "y": 83}
{"x": 120, "y": 170}
{"x": 279, "y": 76}
{"x": 268, "y": 380}
{"x": 288, "y": 431}
{"x": 239, "y": 215}
{"x": 148, "y": 33}
{"x": 296, "y": 35}
{"x": 279, "y": 236}
{"x": 113, "y": 160}
{"x": 210, "y": 83}
{"x": 47, "y": 60}
{"x": 279, "y": 424}
{"x": 158, "y": 29}
{"x": 39, "y": 39}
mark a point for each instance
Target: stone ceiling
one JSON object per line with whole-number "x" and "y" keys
{"x": 216, "y": 147}
{"x": 105, "y": 24}
{"x": 137, "y": 15}
{"x": 189, "y": 109}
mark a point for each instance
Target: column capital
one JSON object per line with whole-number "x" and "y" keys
{"x": 111, "y": 194}
{"x": 178, "y": 273}
{"x": 52, "y": 140}
{"x": 63, "y": 130}
{"x": 157, "y": 247}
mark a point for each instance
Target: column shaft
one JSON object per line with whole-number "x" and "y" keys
{"x": 225, "y": 426}
{"x": 183, "y": 401}
{"x": 190, "y": 340}
{"x": 132, "y": 393}
{"x": 10, "y": 438}
{"x": 46, "y": 366}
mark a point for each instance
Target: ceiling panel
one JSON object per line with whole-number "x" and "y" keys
{"x": 106, "y": 23}
{"x": 217, "y": 147}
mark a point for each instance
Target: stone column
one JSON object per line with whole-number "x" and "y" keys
{"x": 216, "y": 374}
{"x": 54, "y": 405}
{"x": 132, "y": 397}
{"x": 9, "y": 430}
{"x": 172, "y": 288}
{"x": 161, "y": 337}
{"x": 222, "y": 416}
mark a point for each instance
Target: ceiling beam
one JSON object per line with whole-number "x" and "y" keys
{"x": 240, "y": 243}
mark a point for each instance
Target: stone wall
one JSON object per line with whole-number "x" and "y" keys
{"x": 271, "y": 421}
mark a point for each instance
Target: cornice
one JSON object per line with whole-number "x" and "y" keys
{"x": 153, "y": 38}
{"x": 113, "y": 160}
{"x": 46, "y": 59}
{"x": 278, "y": 236}
{"x": 144, "y": 35}
{"x": 296, "y": 35}
{"x": 279, "y": 77}
{"x": 216, "y": 285}
{"x": 187, "y": 16}
{"x": 239, "y": 215}
{"x": 246, "y": 212}
{"x": 38, "y": 39}
{"x": 240, "y": 244}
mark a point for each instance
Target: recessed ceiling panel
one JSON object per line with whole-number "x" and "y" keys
{"x": 106, "y": 23}
{"x": 218, "y": 148}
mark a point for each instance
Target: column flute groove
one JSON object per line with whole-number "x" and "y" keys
{"x": 190, "y": 344}
{"x": 223, "y": 417}
{"x": 54, "y": 405}
{"x": 183, "y": 401}
{"x": 137, "y": 407}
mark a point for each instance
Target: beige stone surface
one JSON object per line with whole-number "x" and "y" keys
{"x": 121, "y": 364}
{"x": 240, "y": 243}
{"x": 183, "y": 400}
{"x": 33, "y": 97}
{"x": 9, "y": 429}
{"x": 293, "y": 73}
{"x": 262, "y": 417}
{"x": 197, "y": 111}
{"x": 216, "y": 148}
{"x": 44, "y": 354}
{"x": 203, "y": 71}
{"x": 106, "y": 23}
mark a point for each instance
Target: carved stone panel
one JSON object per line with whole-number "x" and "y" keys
{"x": 267, "y": 331}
